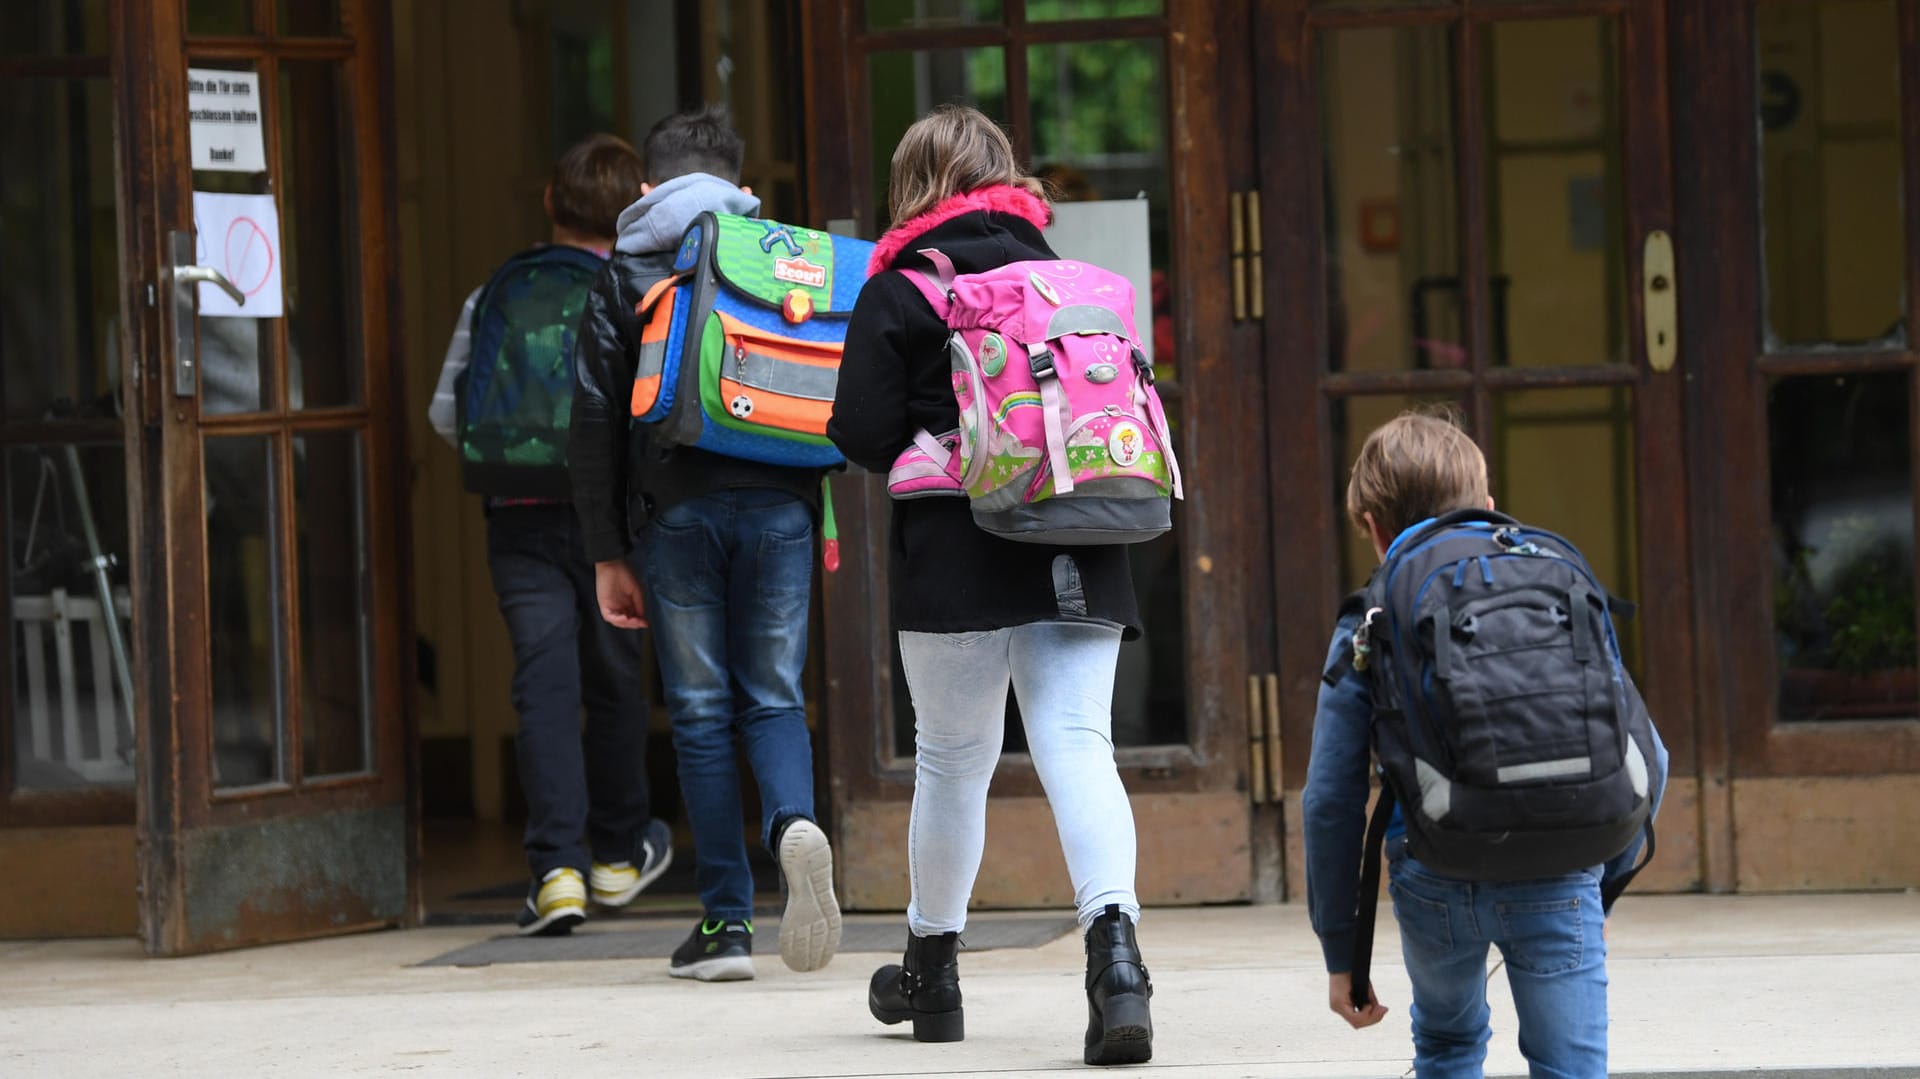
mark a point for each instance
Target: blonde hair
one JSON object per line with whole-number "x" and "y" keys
{"x": 950, "y": 151}
{"x": 1418, "y": 465}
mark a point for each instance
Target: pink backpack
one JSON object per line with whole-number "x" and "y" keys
{"x": 1062, "y": 437}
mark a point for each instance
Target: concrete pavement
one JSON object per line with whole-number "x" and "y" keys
{"x": 1807, "y": 986}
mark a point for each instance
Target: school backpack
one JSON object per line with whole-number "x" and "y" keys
{"x": 515, "y": 398}
{"x": 1062, "y": 436}
{"x": 1505, "y": 725}
{"x": 740, "y": 345}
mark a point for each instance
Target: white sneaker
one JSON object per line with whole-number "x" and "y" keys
{"x": 810, "y": 929}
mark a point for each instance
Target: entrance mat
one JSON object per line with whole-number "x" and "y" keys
{"x": 657, "y": 941}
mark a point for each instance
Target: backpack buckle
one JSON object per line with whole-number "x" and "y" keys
{"x": 1040, "y": 361}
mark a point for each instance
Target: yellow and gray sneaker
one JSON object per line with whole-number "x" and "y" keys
{"x": 717, "y": 951}
{"x": 614, "y": 884}
{"x": 556, "y": 903}
{"x": 810, "y": 928}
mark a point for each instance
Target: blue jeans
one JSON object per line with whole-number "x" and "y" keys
{"x": 565, "y": 656}
{"x": 1548, "y": 930}
{"x": 729, "y": 578}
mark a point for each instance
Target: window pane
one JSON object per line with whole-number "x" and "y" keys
{"x": 53, "y": 28}
{"x": 1354, "y": 418}
{"x": 72, "y": 680}
{"x": 1393, "y": 239}
{"x": 324, "y": 362}
{"x": 902, "y": 86}
{"x": 236, "y": 354}
{"x": 1842, "y": 485}
{"x": 1098, "y": 122}
{"x": 1563, "y": 460}
{"x": 60, "y": 279}
{"x": 330, "y": 508}
{"x": 896, "y": 14}
{"x": 1829, "y": 105}
{"x": 244, "y": 622}
{"x": 307, "y": 18}
{"x": 220, "y": 18}
{"x": 1053, "y": 10}
{"x": 1555, "y": 172}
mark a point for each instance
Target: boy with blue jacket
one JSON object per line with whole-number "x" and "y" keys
{"x": 1551, "y": 931}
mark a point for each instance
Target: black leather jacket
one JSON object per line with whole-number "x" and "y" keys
{"x": 619, "y": 479}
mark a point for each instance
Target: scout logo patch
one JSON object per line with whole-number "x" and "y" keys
{"x": 1124, "y": 444}
{"x": 798, "y": 271}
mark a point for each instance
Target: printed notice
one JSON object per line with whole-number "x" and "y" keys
{"x": 223, "y": 110}
{"x": 239, "y": 235}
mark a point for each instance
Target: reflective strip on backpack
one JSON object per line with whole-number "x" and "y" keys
{"x": 1565, "y": 766}
{"x": 1085, "y": 318}
{"x": 787, "y": 378}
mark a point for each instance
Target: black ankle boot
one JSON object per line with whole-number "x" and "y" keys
{"x": 1119, "y": 1028}
{"x": 925, "y": 988}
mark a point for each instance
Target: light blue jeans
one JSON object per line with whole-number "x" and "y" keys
{"x": 1548, "y": 930}
{"x": 1062, "y": 675}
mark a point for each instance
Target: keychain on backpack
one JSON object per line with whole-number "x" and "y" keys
{"x": 1363, "y": 641}
{"x": 829, "y": 529}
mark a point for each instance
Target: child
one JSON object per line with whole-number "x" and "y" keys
{"x": 1550, "y": 930}
{"x": 727, "y": 554}
{"x": 564, "y": 655}
{"x": 975, "y": 611}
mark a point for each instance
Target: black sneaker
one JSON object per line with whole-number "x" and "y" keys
{"x": 716, "y": 952}
{"x": 810, "y": 929}
{"x": 555, "y": 904}
{"x": 614, "y": 884}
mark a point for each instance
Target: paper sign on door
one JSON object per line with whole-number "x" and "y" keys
{"x": 224, "y": 120}
{"x": 239, "y": 235}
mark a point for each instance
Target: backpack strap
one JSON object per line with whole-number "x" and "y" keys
{"x": 1367, "y": 906}
{"x": 1610, "y": 891}
{"x": 936, "y": 284}
{"x": 1054, "y": 411}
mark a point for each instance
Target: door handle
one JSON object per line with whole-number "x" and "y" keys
{"x": 184, "y": 278}
{"x": 1660, "y": 301}
{"x": 210, "y": 276}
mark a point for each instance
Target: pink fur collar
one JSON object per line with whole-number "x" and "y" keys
{"x": 998, "y": 199}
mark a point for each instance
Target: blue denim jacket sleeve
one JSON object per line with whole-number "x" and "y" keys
{"x": 1333, "y": 808}
{"x": 1657, "y": 787}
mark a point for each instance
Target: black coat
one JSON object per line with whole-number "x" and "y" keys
{"x": 949, "y": 576}
{"x": 621, "y": 478}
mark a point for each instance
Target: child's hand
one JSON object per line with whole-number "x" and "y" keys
{"x": 621, "y": 603}
{"x": 1340, "y": 999}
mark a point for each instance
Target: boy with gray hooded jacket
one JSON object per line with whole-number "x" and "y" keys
{"x": 726, "y": 550}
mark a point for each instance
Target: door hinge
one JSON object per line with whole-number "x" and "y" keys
{"x": 1266, "y": 773}
{"x": 1248, "y": 269}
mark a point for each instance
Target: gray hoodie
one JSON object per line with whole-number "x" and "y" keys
{"x": 658, "y": 221}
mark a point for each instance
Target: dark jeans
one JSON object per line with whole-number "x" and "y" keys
{"x": 565, "y": 656}
{"x": 729, "y": 577}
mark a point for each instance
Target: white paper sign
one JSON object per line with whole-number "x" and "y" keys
{"x": 1113, "y": 236}
{"x": 239, "y": 235}
{"x": 224, "y": 118}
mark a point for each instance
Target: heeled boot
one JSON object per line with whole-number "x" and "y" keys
{"x": 923, "y": 987}
{"x": 1119, "y": 1025}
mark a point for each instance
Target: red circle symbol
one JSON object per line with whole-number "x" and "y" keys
{"x": 249, "y": 255}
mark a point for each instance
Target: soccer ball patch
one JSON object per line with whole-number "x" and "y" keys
{"x": 741, "y": 407}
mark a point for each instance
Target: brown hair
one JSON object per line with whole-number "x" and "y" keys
{"x": 1418, "y": 465}
{"x": 592, "y": 182}
{"x": 950, "y": 151}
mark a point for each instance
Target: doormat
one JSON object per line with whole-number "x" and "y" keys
{"x": 659, "y": 940}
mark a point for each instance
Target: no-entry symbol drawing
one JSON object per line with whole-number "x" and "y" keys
{"x": 239, "y": 235}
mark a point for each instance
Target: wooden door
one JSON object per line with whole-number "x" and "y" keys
{"x": 1799, "y": 186}
{"x": 1115, "y": 101}
{"x": 1466, "y": 204}
{"x": 273, "y": 789}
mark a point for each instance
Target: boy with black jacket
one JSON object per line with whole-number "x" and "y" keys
{"x": 726, "y": 547}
